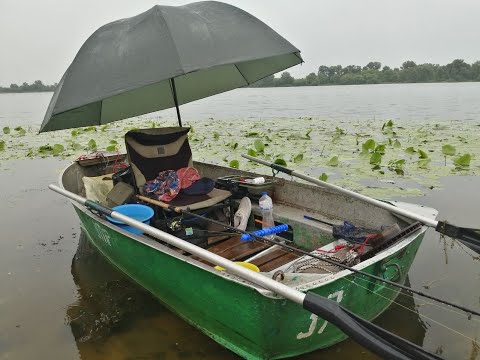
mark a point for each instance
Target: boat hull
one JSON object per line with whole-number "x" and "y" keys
{"x": 252, "y": 323}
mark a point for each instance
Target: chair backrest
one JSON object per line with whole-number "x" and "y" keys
{"x": 150, "y": 151}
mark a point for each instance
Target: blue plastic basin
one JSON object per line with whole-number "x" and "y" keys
{"x": 138, "y": 212}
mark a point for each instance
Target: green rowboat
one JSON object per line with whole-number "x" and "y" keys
{"x": 245, "y": 318}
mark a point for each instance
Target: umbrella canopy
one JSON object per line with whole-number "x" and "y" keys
{"x": 165, "y": 57}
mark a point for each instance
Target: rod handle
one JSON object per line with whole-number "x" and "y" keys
{"x": 265, "y": 232}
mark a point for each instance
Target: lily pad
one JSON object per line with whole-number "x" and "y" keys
{"x": 380, "y": 149}
{"x": 376, "y": 158}
{"x": 323, "y": 177}
{"x": 463, "y": 160}
{"x": 259, "y": 145}
{"x": 422, "y": 154}
{"x": 280, "y": 161}
{"x": 297, "y": 158}
{"x": 410, "y": 150}
{"x": 368, "y": 146}
{"x": 92, "y": 145}
{"x": 333, "y": 161}
{"x": 234, "y": 164}
{"x": 2, "y": 145}
{"x": 6, "y": 130}
{"x": 251, "y": 152}
{"x": 448, "y": 149}
{"x": 57, "y": 149}
{"x": 423, "y": 164}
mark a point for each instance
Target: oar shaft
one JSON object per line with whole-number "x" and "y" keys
{"x": 381, "y": 204}
{"x": 235, "y": 269}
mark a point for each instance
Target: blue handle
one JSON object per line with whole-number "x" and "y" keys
{"x": 264, "y": 232}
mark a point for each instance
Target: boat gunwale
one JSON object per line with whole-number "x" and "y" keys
{"x": 322, "y": 280}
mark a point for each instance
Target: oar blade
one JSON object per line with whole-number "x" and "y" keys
{"x": 378, "y": 340}
{"x": 469, "y": 237}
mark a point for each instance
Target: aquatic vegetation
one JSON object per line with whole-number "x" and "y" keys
{"x": 234, "y": 164}
{"x": 323, "y": 177}
{"x": 412, "y": 156}
{"x": 333, "y": 161}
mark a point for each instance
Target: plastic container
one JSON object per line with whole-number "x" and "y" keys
{"x": 266, "y": 208}
{"x": 255, "y": 181}
{"x": 138, "y": 212}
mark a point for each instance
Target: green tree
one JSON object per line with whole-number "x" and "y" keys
{"x": 285, "y": 79}
{"x": 311, "y": 79}
{"x": 373, "y": 65}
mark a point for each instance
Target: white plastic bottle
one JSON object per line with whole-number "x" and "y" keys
{"x": 266, "y": 207}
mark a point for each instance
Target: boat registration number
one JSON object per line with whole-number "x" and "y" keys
{"x": 338, "y": 296}
{"x": 102, "y": 234}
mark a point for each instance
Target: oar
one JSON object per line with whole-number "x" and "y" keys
{"x": 470, "y": 237}
{"x": 365, "y": 333}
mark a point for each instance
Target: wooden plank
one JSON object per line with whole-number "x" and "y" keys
{"x": 279, "y": 261}
{"x": 241, "y": 251}
{"x": 268, "y": 257}
{"x": 225, "y": 245}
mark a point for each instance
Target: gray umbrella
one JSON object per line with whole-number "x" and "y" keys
{"x": 165, "y": 57}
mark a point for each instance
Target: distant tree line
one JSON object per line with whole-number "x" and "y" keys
{"x": 36, "y": 86}
{"x": 373, "y": 73}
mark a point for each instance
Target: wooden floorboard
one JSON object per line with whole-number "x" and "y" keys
{"x": 274, "y": 259}
{"x": 279, "y": 261}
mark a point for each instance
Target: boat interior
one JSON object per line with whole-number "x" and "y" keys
{"x": 318, "y": 221}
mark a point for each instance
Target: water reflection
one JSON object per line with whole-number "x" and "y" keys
{"x": 114, "y": 318}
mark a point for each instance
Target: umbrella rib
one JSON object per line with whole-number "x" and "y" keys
{"x": 244, "y": 78}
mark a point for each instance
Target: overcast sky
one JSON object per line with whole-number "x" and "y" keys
{"x": 39, "y": 39}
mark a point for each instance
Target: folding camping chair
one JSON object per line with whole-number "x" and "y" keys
{"x": 150, "y": 151}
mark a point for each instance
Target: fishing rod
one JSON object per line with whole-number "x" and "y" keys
{"x": 303, "y": 252}
{"x": 470, "y": 237}
{"x": 367, "y": 334}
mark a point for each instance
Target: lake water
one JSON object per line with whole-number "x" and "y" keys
{"x": 406, "y": 102}
{"x": 60, "y": 299}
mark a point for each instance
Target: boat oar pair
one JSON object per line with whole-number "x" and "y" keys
{"x": 470, "y": 237}
{"x": 371, "y": 336}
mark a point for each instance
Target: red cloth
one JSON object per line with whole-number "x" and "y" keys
{"x": 187, "y": 176}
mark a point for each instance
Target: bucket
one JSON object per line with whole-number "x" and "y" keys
{"x": 138, "y": 212}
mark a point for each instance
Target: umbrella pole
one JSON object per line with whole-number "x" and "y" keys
{"x": 175, "y": 100}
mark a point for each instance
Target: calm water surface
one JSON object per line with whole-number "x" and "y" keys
{"x": 60, "y": 299}
{"x": 406, "y": 102}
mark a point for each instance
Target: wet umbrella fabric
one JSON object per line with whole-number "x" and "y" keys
{"x": 132, "y": 66}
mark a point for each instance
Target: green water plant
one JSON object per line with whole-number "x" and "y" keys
{"x": 92, "y": 145}
{"x": 333, "y": 161}
{"x": 259, "y": 145}
{"x": 6, "y": 130}
{"x": 448, "y": 150}
{"x": 2, "y": 145}
{"x": 57, "y": 149}
{"x": 297, "y": 158}
{"x": 21, "y": 131}
{"x": 280, "y": 161}
{"x": 463, "y": 161}
{"x": 397, "y": 166}
{"x": 234, "y": 164}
